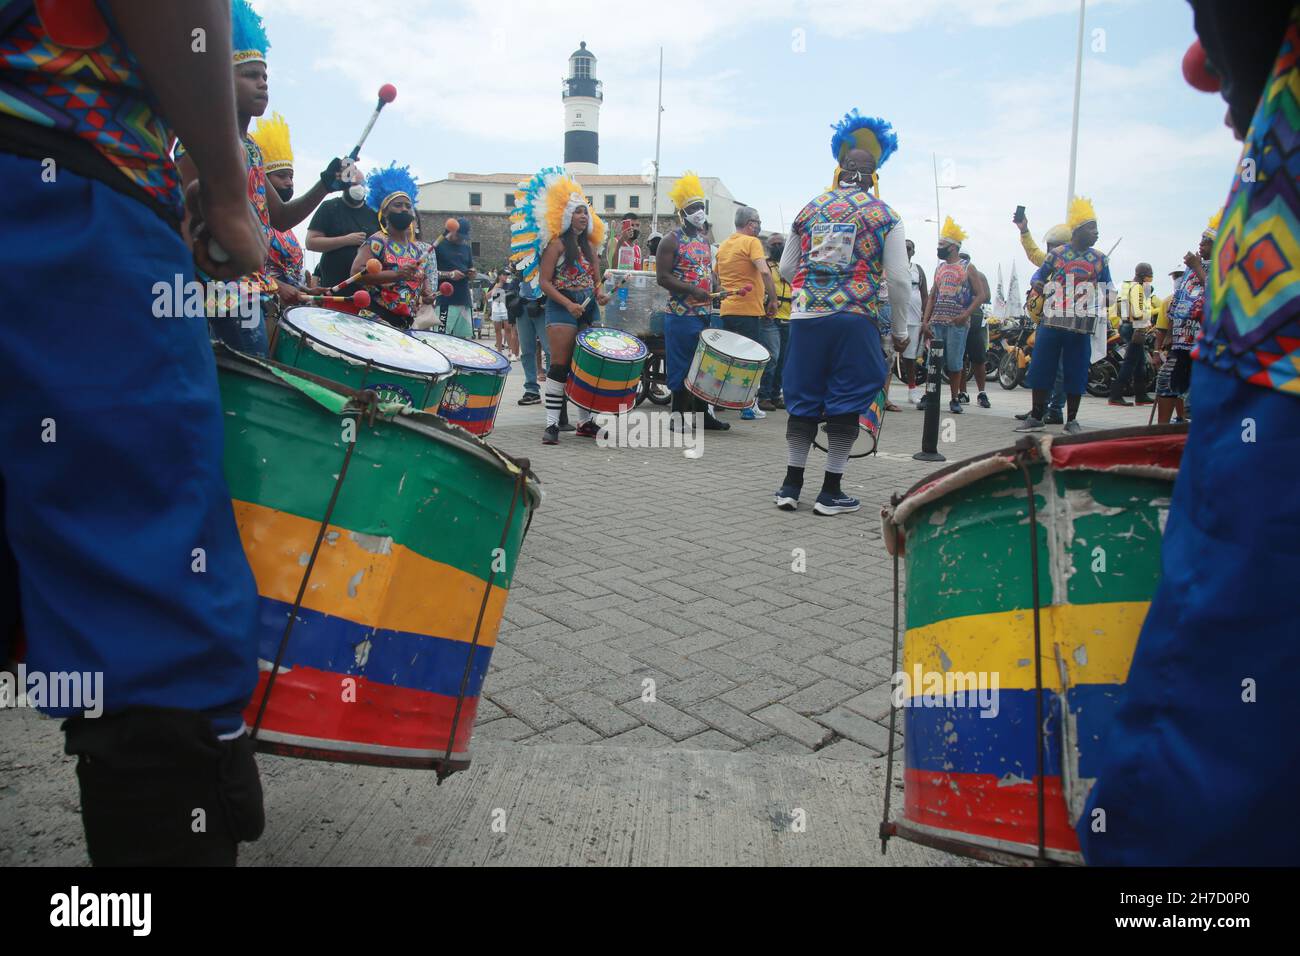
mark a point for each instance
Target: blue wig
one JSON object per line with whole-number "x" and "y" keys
{"x": 382, "y": 183}
{"x": 871, "y": 133}
{"x": 247, "y": 34}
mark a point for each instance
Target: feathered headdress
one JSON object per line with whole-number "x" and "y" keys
{"x": 247, "y": 34}
{"x": 387, "y": 184}
{"x": 871, "y": 133}
{"x": 1212, "y": 230}
{"x": 686, "y": 190}
{"x": 544, "y": 209}
{"x": 272, "y": 136}
{"x": 1081, "y": 211}
{"x": 951, "y": 232}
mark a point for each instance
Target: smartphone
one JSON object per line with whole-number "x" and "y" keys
{"x": 1020, "y": 214}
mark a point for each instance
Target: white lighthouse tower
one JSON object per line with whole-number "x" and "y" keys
{"x": 582, "y": 98}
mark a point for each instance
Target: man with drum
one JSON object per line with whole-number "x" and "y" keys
{"x": 392, "y": 194}
{"x": 1075, "y": 279}
{"x": 684, "y": 266}
{"x": 843, "y": 247}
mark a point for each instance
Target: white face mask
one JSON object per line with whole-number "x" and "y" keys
{"x": 698, "y": 218}
{"x": 356, "y": 193}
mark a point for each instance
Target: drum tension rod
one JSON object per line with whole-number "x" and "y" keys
{"x": 1027, "y": 449}
{"x": 886, "y": 829}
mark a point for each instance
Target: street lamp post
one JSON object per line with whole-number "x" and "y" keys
{"x": 938, "y": 218}
{"x": 1078, "y": 89}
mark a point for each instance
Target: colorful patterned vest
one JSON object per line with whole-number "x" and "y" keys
{"x": 284, "y": 261}
{"x": 1186, "y": 309}
{"x": 1082, "y": 283}
{"x": 693, "y": 266}
{"x": 403, "y": 296}
{"x": 1252, "y": 326}
{"x": 952, "y": 292}
{"x": 92, "y": 92}
{"x": 841, "y": 262}
{"x": 574, "y": 276}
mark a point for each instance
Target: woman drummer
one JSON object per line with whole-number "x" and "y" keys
{"x": 570, "y": 278}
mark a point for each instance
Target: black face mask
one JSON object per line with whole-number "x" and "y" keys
{"x": 400, "y": 220}
{"x": 775, "y": 250}
{"x": 943, "y": 253}
{"x": 286, "y": 192}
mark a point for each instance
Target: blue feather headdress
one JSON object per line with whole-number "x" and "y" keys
{"x": 385, "y": 185}
{"x": 247, "y": 34}
{"x": 526, "y": 222}
{"x": 871, "y": 133}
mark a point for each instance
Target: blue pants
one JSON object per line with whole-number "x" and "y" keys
{"x": 836, "y": 365}
{"x": 769, "y": 388}
{"x": 531, "y": 329}
{"x": 681, "y": 337}
{"x": 1058, "y": 348}
{"x": 1191, "y": 774}
{"x": 783, "y": 329}
{"x": 1057, "y": 401}
{"x": 954, "y": 344}
{"x": 750, "y": 326}
{"x": 103, "y": 521}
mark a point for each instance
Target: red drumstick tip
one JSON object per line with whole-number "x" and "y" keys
{"x": 361, "y": 299}
{"x": 453, "y": 225}
{"x": 387, "y": 93}
{"x": 1196, "y": 70}
{"x": 446, "y": 289}
{"x": 374, "y": 267}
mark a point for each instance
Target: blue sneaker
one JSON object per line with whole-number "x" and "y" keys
{"x": 787, "y": 498}
{"x": 753, "y": 414}
{"x": 835, "y": 505}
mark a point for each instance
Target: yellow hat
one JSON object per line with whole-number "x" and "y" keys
{"x": 272, "y": 137}
{"x": 686, "y": 190}
{"x": 1212, "y": 230}
{"x": 1081, "y": 211}
{"x": 951, "y": 232}
{"x": 1058, "y": 235}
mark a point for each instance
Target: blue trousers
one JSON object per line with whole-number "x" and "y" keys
{"x": 531, "y": 330}
{"x": 770, "y": 386}
{"x": 1060, "y": 350}
{"x": 111, "y": 457}
{"x": 783, "y": 330}
{"x": 681, "y": 337}
{"x": 1193, "y": 771}
{"x": 836, "y": 365}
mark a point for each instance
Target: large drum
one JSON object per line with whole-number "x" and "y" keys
{"x": 637, "y": 303}
{"x": 987, "y": 690}
{"x": 383, "y": 661}
{"x": 607, "y": 365}
{"x": 727, "y": 369}
{"x": 363, "y": 353}
{"x": 473, "y": 396}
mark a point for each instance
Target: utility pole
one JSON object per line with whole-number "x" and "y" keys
{"x": 1078, "y": 89}
{"x": 659, "y": 114}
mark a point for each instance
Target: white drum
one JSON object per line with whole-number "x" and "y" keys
{"x": 727, "y": 369}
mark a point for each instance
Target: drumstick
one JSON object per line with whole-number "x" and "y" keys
{"x": 387, "y": 93}
{"x": 373, "y": 267}
{"x": 745, "y": 289}
{"x": 360, "y": 299}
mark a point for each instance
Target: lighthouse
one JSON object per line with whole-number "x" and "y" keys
{"x": 582, "y": 99}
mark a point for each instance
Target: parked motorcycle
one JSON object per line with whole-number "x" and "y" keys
{"x": 1017, "y": 346}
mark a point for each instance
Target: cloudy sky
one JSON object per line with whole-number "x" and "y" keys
{"x": 982, "y": 87}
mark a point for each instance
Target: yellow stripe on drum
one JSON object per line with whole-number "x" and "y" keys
{"x": 365, "y": 579}
{"x": 604, "y": 383}
{"x": 718, "y": 368}
{"x": 1096, "y": 643}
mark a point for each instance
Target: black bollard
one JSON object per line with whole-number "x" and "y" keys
{"x": 934, "y": 378}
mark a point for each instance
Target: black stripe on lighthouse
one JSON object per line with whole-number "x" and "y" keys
{"x": 581, "y": 146}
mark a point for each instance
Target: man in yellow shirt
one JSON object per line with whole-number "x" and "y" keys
{"x": 784, "y": 296}
{"x": 742, "y": 263}
{"x": 1135, "y": 308}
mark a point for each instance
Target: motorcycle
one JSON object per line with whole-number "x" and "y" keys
{"x": 1017, "y": 348}
{"x": 1103, "y": 373}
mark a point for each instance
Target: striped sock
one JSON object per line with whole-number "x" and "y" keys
{"x": 839, "y": 442}
{"x": 799, "y": 435}
{"x": 554, "y": 400}
{"x": 584, "y": 414}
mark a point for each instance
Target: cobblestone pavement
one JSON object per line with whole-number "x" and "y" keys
{"x": 657, "y": 602}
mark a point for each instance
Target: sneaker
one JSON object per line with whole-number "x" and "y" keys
{"x": 767, "y": 405}
{"x": 551, "y": 436}
{"x": 1122, "y": 402}
{"x": 963, "y": 398}
{"x": 914, "y": 395}
{"x": 983, "y": 400}
{"x": 1022, "y": 416}
{"x": 955, "y": 406}
{"x": 787, "y": 497}
{"x": 779, "y": 401}
{"x": 530, "y": 398}
{"x": 835, "y": 504}
{"x": 1143, "y": 400}
{"x": 1053, "y": 417}
{"x": 711, "y": 424}
{"x": 753, "y": 414}
{"x": 1031, "y": 424}
{"x": 588, "y": 429}
{"x": 1073, "y": 427}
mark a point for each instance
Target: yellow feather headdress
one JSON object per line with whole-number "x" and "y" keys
{"x": 544, "y": 209}
{"x": 272, "y": 136}
{"x": 1212, "y": 230}
{"x": 1081, "y": 211}
{"x": 686, "y": 190}
{"x": 952, "y": 232}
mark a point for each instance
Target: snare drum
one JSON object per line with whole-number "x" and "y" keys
{"x": 970, "y": 690}
{"x": 637, "y": 303}
{"x": 363, "y": 353}
{"x": 727, "y": 369}
{"x": 607, "y": 366}
{"x": 473, "y": 396}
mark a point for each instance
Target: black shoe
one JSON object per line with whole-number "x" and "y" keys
{"x": 955, "y": 406}
{"x": 983, "y": 400}
{"x": 963, "y": 398}
{"x": 1121, "y": 401}
{"x": 1022, "y": 416}
{"x": 1053, "y": 418}
{"x": 713, "y": 425}
{"x": 530, "y": 398}
{"x": 551, "y": 436}
{"x": 1143, "y": 400}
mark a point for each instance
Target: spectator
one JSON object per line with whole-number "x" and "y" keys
{"x": 750, "y": 300}
{"x": 456, "y": 263}
{"x": 339, "y": 226}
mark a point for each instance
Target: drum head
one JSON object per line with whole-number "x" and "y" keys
{"x": 465, "y": 354}
{"x": 734, "y": 346}
{"x": 367, "y": 341}
{"x": 613, "y": 343}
